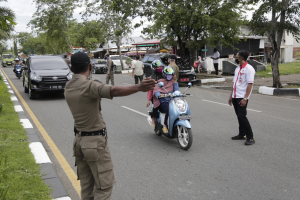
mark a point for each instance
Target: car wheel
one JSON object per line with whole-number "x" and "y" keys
{"x": 31, "y": 96}
{"x": 25, "y": 88}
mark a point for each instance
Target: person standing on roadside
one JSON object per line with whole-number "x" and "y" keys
{"x": 110, "y": 70}
{"x": 242, "y": 87}
{"x": 172, "y": 63}
{"x": 90, "y": 147}
{"x": 216, "y": 58}
{"x": 138, "y": 70}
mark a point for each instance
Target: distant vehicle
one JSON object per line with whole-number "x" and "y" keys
{"x": 186, "y": 72}
{"x": 117, "y": 62}
{"x": 99, "y": 66}
{"x": 7, "y": 59}
{"x": 45, "y": 74}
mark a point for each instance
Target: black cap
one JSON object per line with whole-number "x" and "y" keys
{"x": 137, "y": 57}
{"x": 172, "y": 56}
{"x": 80, "y": 59}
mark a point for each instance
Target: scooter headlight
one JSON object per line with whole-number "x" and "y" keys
{"x": 181, "y": 105}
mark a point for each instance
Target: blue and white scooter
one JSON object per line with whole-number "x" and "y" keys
{"x": 18, "y": 71}
{"x": 179, "y": 119}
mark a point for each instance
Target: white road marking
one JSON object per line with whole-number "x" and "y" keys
{"x": 10, "y": 91}
{"x": 63, "y": 198}
{"x": 127, "y": 84}
{"x": 135, "y": 111}
{"x": 39, "y": 153}
{"x": 13, "y": 98}
{"x": 18, "y": 108}
{"x": 228, "y": 105}
{"x": 26, "y": 123}
{"x": 8, "y": 87}
{"x": 6, "y": 83}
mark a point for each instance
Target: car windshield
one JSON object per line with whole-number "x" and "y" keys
{"x": 48, "y": 64}
{"x": 8, "y": 56}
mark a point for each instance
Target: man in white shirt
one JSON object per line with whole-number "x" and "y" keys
{"x": 216, "y": 58}
{"x": 240, "y": 94}
{"x": 138, "y": 70}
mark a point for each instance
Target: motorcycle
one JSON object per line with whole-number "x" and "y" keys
{"x": 18, "y": 71}
{"x": 179, "y": 119}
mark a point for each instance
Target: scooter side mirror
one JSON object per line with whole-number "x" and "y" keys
{"x": 161, "y": 84}
{"x": 189, "y": 85}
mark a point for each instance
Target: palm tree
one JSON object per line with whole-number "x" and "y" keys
{"x": 7, "y": 22}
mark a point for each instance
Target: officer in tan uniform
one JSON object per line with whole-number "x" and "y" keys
{"x": 90, "y": 148}
{"x": 172, "y": 64}
{"x": 110, "y": 70}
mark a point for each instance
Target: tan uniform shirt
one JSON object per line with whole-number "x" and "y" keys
{"x": 83, "y": 97}
{"x": 109, "y": 65}
{"x": 176, "y": 69}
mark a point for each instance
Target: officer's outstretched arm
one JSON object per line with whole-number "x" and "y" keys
{"x": 119, "y": 91}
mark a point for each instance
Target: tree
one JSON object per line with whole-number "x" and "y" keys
{"x": 7, "y": 22}
{"x": 116, "y": 26}
{"x": 285, "y": 17}
{"x": 15, "y": 48}
{"x": 189, "y": 24}
{"x": 52, "y": 17}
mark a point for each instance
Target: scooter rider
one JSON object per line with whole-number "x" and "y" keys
{"x": 17, "y": 62}
{"x": 171, "y": 85}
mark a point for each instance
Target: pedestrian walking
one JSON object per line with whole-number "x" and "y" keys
{"x": 90, "y": 146}
{"x": 110, "y": 70}
{"x": 172, "y": 63}
{"x": 216, "y": 58}
{"x": 138, "y": 70}
{"x": 240, "y": 94}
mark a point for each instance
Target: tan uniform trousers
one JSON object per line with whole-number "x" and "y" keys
{"x": 111, "y": 77}
{"x": 94, "y": 167}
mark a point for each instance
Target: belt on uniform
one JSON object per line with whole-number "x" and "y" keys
{"x": 100, "y": 132}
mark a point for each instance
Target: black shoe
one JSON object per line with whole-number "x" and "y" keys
{"x": 249, "y": 142}
{"x": 239, "y": 137}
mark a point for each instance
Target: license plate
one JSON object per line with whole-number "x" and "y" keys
{"x": 185, "y": 117}
{"x": 53, "y": 87}
{"x": 184, "y": 79}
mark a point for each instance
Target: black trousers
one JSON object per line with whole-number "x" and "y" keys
{"x": 136, "y": 79}
{"x": 216, "y": 65}
{"x": 241, "y": 112}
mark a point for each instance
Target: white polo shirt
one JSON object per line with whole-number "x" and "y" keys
{"x": 242, "y": 76}
{"x": 216, "y": 55}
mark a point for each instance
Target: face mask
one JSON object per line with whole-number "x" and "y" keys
{"x": 169, "y": 77}
{"x": 237, "y": 61}
{"x": 159, "y": 70}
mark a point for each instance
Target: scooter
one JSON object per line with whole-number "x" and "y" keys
{"x": 18, "y": 71}
{"x": 179, "y": 119}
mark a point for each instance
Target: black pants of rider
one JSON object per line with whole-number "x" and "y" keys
{"x": 216, "y": 65}
{"x": 241, "y": 112}
{"x": 164, "y": 108}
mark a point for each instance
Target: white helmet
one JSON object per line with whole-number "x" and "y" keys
{"x": 17, "y": 59}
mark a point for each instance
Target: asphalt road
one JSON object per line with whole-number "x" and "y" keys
{"x": 155, "y": 168}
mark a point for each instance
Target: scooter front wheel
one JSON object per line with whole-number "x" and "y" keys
{"x": 185, "y": 137}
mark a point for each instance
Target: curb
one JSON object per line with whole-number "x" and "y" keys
{"x": 279, "y": 91}
{"x": 41, "y": 157}
{"x": 212, "y": 80}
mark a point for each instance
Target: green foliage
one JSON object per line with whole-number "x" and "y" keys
{"x": 7, "y": 22}
{"x": 128, "y": 60}
{"x": 20, "y": 176}
{"x": 285, "y": 69}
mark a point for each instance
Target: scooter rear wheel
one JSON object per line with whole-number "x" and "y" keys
{"x": 185, "y": 137}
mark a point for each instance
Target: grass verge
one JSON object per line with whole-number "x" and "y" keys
{"x": 284, "y": 69}
{"x": 20, "y": 177}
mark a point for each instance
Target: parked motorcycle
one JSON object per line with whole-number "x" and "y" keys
{"x": 18, "y": 71}
{"x": 179, "y": 119}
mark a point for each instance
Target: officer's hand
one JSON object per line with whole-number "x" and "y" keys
{"x": 148, "y": 103}
{"x": 107, "y": 75}
{"x": 147, "y": 84}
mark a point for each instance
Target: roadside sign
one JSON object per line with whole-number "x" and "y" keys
{"x": 204, "y": 49}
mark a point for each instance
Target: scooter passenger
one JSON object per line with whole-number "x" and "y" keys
{"x": 170, "y": 86}
{"x": 17, "y": 62}
{"x": 157, "y": 69}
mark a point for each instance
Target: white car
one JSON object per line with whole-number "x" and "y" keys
{"x": 116, "y": 60}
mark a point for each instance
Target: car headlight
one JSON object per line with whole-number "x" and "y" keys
{"x": 192, "y": 70}
{"x": 181, "y": 105}
{"x": 35, "y": 77}
{"x": 69, "y": 76}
